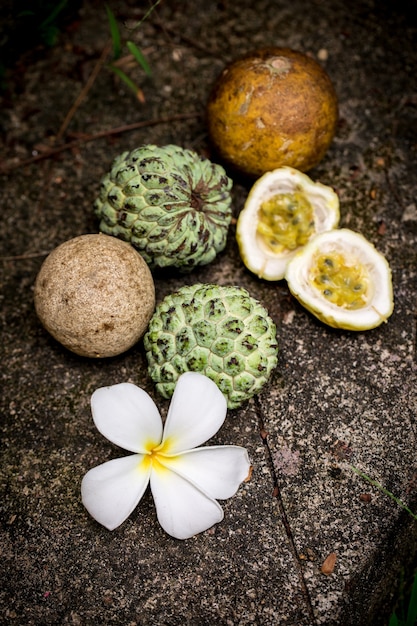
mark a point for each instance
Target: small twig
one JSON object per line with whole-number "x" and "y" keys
{"x": 83, "y": 93}
{"x": 147, "y": 14}
{"x": 104, "y": 133}
{"x": 188, "y": 40}
{"x": 20, "y": 257}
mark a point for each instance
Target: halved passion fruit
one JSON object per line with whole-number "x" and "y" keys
{"x": 341, "y": 278}
{"x": 283, "y": 211}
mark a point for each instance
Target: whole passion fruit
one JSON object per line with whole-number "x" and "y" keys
{"x": 270, "y": 108}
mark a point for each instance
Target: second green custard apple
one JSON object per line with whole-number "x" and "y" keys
{"x": 170, "y": 203}
{"x": 219, "y": 331}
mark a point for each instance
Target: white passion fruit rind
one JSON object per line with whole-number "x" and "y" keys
{"x": 283, "y": 211}
{"x": 342, "y": 279}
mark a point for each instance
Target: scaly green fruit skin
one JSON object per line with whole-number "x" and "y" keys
{"x": 219, "y": 331}
{"x": 171, "y": 204}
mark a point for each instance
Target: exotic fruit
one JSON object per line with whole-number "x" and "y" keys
{"x": 272, "y": 107}
{"x": 95, "y": 295}
{"x": 283, "y": 211}
{"x": 343, "y": 280}
{"x": 219, "y": 331}
{"x": 171, "y": 204}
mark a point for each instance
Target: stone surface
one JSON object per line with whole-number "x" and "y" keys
{"x": 337, "y": 399}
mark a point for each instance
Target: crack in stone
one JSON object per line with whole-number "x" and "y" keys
{"x": 276, "y": 493}
{"x": 415, "y": 337}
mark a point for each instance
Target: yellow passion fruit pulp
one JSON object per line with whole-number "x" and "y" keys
{"x": 283, "y": 211}
{"x": 342, "y": 279}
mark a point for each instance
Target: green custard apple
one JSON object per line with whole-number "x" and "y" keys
{"x": 219, "y": 331}
{"x": 170, "y": 203}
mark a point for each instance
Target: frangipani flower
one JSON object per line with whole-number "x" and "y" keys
{"x": 185, "y": 481}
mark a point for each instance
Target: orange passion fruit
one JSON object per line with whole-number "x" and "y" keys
{"x": 270, "y": 108}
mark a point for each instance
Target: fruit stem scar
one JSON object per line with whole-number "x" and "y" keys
{"x": 279, "y": 65}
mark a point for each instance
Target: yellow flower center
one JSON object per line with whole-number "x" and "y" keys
{"x": 156, "y": 452}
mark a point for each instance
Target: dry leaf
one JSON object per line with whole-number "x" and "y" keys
{"x": 328, "y": 564}
{"x": 249, "y": 476}
{"x": 264, "y": 434}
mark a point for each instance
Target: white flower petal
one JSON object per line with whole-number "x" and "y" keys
{"x": 197, "y": 410}
{"x": 217, "y": 470}
{"x": 127, "y": 416}
{"x": 183, "y": 510}
{"x": 112, "y": 490}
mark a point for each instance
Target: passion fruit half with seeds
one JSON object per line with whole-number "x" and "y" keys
{"x": 283, "y": 211}
{"x": 342, "y": 279}
{"x": 272, "y": 107}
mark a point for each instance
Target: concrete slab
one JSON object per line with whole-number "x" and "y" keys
{"x": 337, "y": 401}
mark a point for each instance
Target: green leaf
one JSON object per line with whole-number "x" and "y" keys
{"x": 50, "y": 35}
{"x": 393, "y": 620}
{"x": 54, "y": 14}
{"x": 115, "y": 33}
{"x": 147, "y": 14}
{"x": 376, "y": 484}
{"x": 124, "y": 78}
{"x": 134, "y": 50}
{"x": 412, "y": 607}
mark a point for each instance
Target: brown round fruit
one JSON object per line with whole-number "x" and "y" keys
{"x": 95, "y": 295}
{"x": 272, "y": 107}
